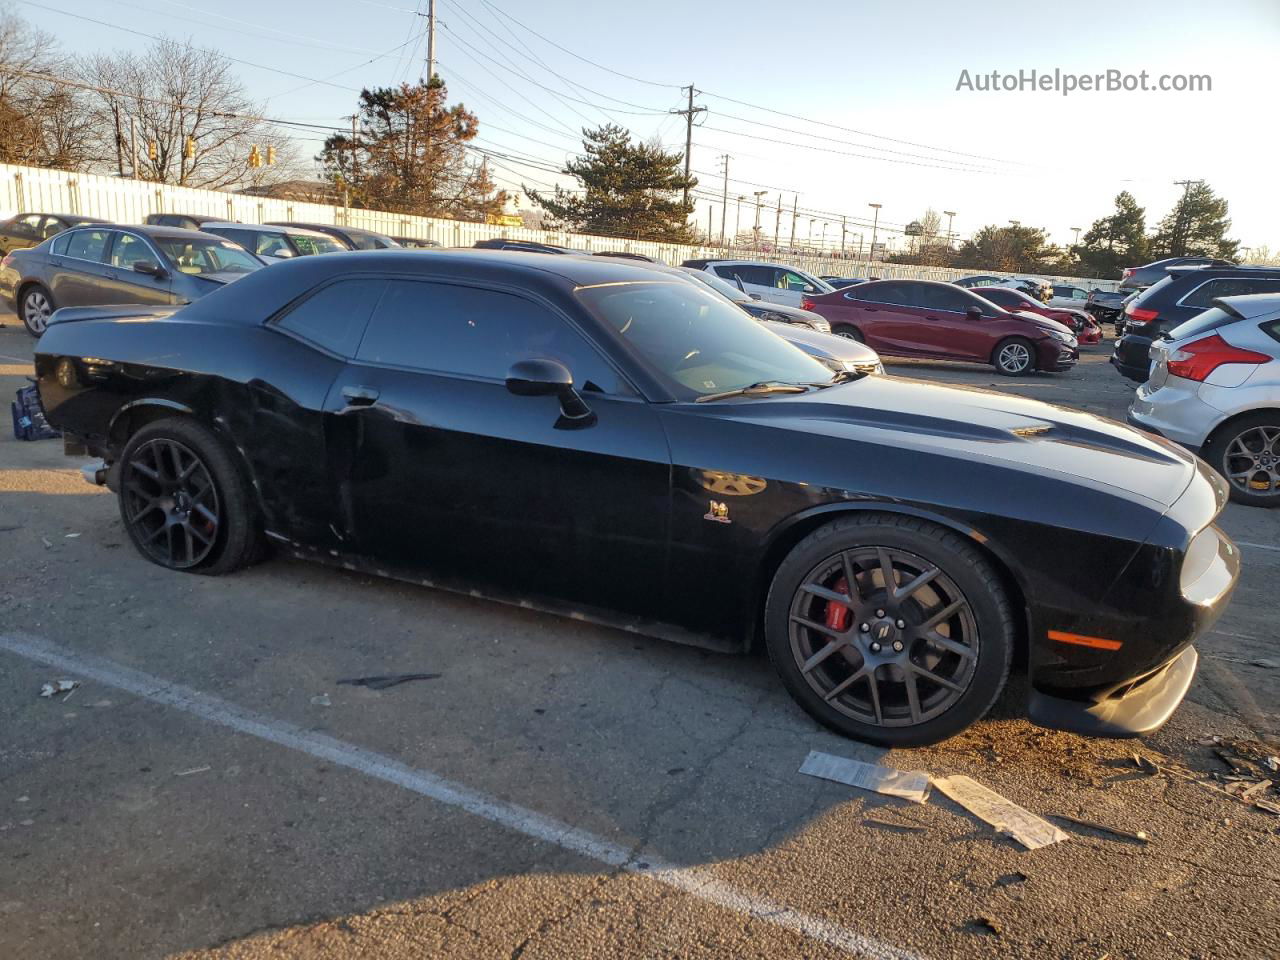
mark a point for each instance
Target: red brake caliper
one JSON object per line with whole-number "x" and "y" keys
{"x": 837, "y": 613}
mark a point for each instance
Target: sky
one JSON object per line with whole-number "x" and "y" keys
{"x": 841, "y": 104}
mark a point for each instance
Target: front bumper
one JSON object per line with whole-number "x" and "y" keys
{"x": 1143, "y": 707}
{"x": 1055, "y": 356}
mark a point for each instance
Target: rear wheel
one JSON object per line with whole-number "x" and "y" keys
{"x": 889, "y": 629}
{"x": 185, "y": 502}
{"x": 1014, "y": 357}
{"x": 35, "y": 308}
{"x": 848, "y": 332}
{"x": 1247, "y": 453}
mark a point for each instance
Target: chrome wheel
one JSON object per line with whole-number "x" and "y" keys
{"x": 170, "y": 503}
{"x": 36, "y": 310}
{"x": 1252, "y": 461}
{"x": 884, "y": 636}
{"x": 1014, "y": 358}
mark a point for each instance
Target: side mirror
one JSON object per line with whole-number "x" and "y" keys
{"x": 149, "y": 267}
{"x": 973, "y": 313}
{"x": 541, "y": 378}
{"x": 754, "y": 296}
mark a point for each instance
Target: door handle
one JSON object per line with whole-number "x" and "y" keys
{"x": 357, "y": 396}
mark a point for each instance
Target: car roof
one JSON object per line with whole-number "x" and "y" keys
{"x": 78, "y": 217}
{"x": 1209, "y": 270}
{"x": 166, "y": 233}
{"x": 1251, "y": 306}
{"x": 266, "y": 228}
{"x": 326, "y": 227}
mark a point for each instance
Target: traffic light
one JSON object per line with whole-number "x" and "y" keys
{"x": 255, "y": 158}
{"x": 271, "y": 155}
{"x": 151, "y": 150}
{"x": 191, "y": 148}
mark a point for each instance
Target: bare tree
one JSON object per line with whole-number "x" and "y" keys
{"x": 42, "y": 121}
{"x": 186, "y": 117}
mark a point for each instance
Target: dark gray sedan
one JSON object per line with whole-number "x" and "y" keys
{"x": 94, "y": 265}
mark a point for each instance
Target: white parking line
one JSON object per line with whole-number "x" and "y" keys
{"x": 699, "y": 882}
{"x": 1256, "y": 546}
{"x": 5, "y": 356}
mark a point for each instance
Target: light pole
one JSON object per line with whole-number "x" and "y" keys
{"x": 737, "y": 223}
{"x": 809, "y": 240}
{"x": 1076, "y": 231}
{"x": 875, "y": 223}
{"x": 824, "y": 236}
{"x": 951, "y": 215}
{"x": 755, "y": 230}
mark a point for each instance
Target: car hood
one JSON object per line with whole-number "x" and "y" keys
{"x": 218, "y": 278}
{"x": 973, "y": 424}
{"x": 822, "y": 344}
{"x": 795, "y": 314}
{"x": 1043, "y": 322}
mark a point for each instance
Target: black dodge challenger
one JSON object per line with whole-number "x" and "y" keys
{"x": 621, "y": 445}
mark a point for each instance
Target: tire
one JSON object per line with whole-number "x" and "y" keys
{"x": 1249, "y": 447}
{"x": 878, "y": 707}
{"x": 1014, "y": 357}
{"x": 848, "y": 332}
{"x": 206, "y": 523}
{"x": 35, "y": 306}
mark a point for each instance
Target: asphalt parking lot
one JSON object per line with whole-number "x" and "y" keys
{"x": 560, "y": 789}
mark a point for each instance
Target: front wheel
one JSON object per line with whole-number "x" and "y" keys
{"x": 35, "y": 309}
{"x": 848, "y": 333}
{"x": 1247, "y": 453}
{"x": 889, "y": 629}
{"x": 184, "y": 500}
{"x": 1014, "y": 357}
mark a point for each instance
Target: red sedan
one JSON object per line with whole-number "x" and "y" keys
{"x": 1084, "y": 326}
{"x": 924, "y": 318}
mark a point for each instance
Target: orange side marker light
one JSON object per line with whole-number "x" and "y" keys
{"x": 1095, "y": 643}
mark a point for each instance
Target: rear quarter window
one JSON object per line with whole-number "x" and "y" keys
{"x": 334, "y": 317}
{"x": 1207, "y": 292}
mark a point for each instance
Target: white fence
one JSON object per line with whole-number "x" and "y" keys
{"x": 24, "y": 189}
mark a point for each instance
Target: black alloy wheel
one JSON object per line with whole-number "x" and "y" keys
{"x": 185, "y": 501}
{"x": 894, "y": 631}
{"x": 170, "y": 504}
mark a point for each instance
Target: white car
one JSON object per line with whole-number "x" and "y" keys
{"x": 772, "y": 282}
{"x": 1215, "y": 388}
{"x": 1068, "y": 296}
{"x": 275, "y": 243}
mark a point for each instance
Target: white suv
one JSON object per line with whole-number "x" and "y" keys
{"x": 770, "y": 282}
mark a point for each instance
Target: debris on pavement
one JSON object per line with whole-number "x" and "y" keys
{"x": 58, "y": 686}
{"x": 187, "y": 773}
{"x": 321, "y": 700}
{"x": 390, "y": 680}
{"x": 907, "y": 784}
{"x": 1146, "y": 764}
{"x": 1140, "y": 836}
{"x": 989, "y": 926}
{"x": 48, "y": 544}
{"x": 70, "y": 536}
{"x": 1007, "y": 817}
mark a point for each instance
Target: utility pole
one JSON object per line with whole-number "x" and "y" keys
{"x": 843, "y": 229}
{"x": 688, "y": 114}
{"x": 795, "y": 206}
{"x": 133, "y": 147}
{"x": 711, "y": 207}
{"x": 951, "y": 215}
{"x": 777, "y": 224}
{"x": 875, "y": 224}
{"x": 431, "y": 40}
{"x": 724, "y": 207}
{"x": 755, "y": 231}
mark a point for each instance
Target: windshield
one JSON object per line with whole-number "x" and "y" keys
{"x": 696, "y": 341}
{"x": 309, "y": 243}
{"x": 819, "y": 284}
{"x": 207, "y": 256}
{"x": 719, "y": 285}
{"x": 371, "y": 241}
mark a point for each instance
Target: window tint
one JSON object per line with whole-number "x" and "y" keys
{"x": 309, "y": 244}
{"x": 890, "y": 293}
{"x": 476, "y": 333}
{"x": 1211, "y": 319}
{"x": 59, "y": 246}
{"x": 941, "y": 297}
{"x": 334, "y": 317}
{"x": 129, "y": 250}
{"x": 89, "y": 245}
{"x": 271, "y": 245}
{"x": 29, "y": 225}
{"x": 761, "y": 276}
{"x": 790, "y": 280}
{"x": 1228, "y": 287}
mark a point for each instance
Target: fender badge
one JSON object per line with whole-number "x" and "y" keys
{"x": 717, "y": 513}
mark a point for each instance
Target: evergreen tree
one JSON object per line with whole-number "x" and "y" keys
{"x": 1008, "y": 249}
{"x": 628, "y": 190}
{"x": 1116, "y": 241}
{"x": 1196, "y": 226}
{"x": 408, "y": 155}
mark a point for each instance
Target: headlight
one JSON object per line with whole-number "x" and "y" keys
{"x": 1060, "y": 336}
{"x": 820, "y": 325}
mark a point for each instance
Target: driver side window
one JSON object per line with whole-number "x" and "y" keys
{"x": 129, "y": 250}
{"x": 789, "y": 280}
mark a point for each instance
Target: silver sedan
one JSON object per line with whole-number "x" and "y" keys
{"x": 1215, "y": 388}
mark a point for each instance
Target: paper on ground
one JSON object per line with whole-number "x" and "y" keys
{"x": 908, "y": 784}
{"x": 1024, "y": 826}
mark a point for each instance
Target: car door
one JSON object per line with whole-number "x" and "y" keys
{"x": 887, "y": 321}
{"x": 757, "y": 281}
{"x": 80, "y": 274}
{"x": 127, "y": 285}
{"x": 948, "y": 329}
{"x": 449, "y": 475}
{"x": 791, "y": 287}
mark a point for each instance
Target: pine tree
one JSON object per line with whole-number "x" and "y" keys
{"x": 628, "y": 190}
{"x": 1116, "y": 241}
{"x": 1196, "y": 226}
{"x": 409, "y": 156}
